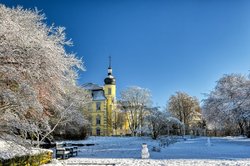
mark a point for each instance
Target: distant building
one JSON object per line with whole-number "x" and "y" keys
{"x": 104, "y": 116}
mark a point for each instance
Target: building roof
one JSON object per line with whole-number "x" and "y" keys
{"x": 97, "y": 92}
{"x": 91, "y": 86}
{"x": 98, "y": 95}
{"x": 109, "y": 80}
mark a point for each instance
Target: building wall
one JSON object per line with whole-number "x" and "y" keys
{"x": 107, "y": 112}
{"x": 110, "y": 94}
{"x": 95, "y": 112}
{"x": 113, "y": 90}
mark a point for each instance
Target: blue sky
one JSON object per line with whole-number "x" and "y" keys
{"x": 163, "y": 45}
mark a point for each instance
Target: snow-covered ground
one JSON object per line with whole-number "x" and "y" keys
{"x": 121, "y": 151}
{"x": 10, "y": 149}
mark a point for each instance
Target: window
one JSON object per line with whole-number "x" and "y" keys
{"x": 98, "y": 120}
{"x": 98, "y": 106}
{"x": 98, "y": 132}
{"x": 109, "y": 91}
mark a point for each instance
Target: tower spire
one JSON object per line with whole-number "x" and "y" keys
{"x": 110, "y": 79}
{"x": 109, "y": 62}
{"x": 109, "y": 69}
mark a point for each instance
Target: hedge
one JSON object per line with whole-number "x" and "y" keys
{"x": 28, "y": 160}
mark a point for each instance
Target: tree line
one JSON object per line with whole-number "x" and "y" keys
{"x": 181, "y": 115}
{"x": 224, "y": 111}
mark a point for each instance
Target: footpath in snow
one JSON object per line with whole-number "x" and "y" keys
{"x": 127, "y": 151}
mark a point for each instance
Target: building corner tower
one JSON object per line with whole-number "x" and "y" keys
{"x": 110, "y": 94}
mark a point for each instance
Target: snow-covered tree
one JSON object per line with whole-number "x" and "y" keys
{"x": 135, "y": 101}
{"x": 35, "y": 73}
{"x": 71, "y": 120}
{"x": 160, "y": 122}
{"x": 227, "y": 106}
{"x": 186, "y": 108}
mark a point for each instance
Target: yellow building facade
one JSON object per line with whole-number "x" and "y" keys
{"x": 102, "y": 111}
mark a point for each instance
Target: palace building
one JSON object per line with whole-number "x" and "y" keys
{"x": 105, "y": 118}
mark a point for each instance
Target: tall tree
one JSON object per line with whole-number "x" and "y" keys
{"x": 35, "y": 72}
{"x": 185, "y": 108}
{"x": 227, "y": 106}
{"x": 135, "y": 101}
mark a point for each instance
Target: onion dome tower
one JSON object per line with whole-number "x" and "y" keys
{"x": 110, "y": 79}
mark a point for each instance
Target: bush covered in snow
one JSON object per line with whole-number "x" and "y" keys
{"x": 13, "y": 154}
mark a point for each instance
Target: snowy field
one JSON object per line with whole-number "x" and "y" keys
{"x": 121, "y": 151}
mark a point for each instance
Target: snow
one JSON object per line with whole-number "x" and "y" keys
{"x": 97, "y": 91}
{"x": 10, "y": 149}
{"x": 98, "y": 95}
{"x": 147, "y": 162}
{"x": 123, "y": 151}
{"x": 91, "y": 86}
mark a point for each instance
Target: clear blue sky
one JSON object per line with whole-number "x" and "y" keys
{"x": 163, "y": 45}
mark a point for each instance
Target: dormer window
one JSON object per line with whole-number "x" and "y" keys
{"x": 98, "y": 105}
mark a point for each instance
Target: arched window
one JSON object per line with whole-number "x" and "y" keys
{"x": 98, "y": 120}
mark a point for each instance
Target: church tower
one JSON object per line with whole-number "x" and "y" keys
{"x": 110, "y": 94}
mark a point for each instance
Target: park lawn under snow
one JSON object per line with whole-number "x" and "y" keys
{"x": 127, "y": 151}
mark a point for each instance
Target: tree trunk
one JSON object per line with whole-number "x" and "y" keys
{"x": 241, "y": 126}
